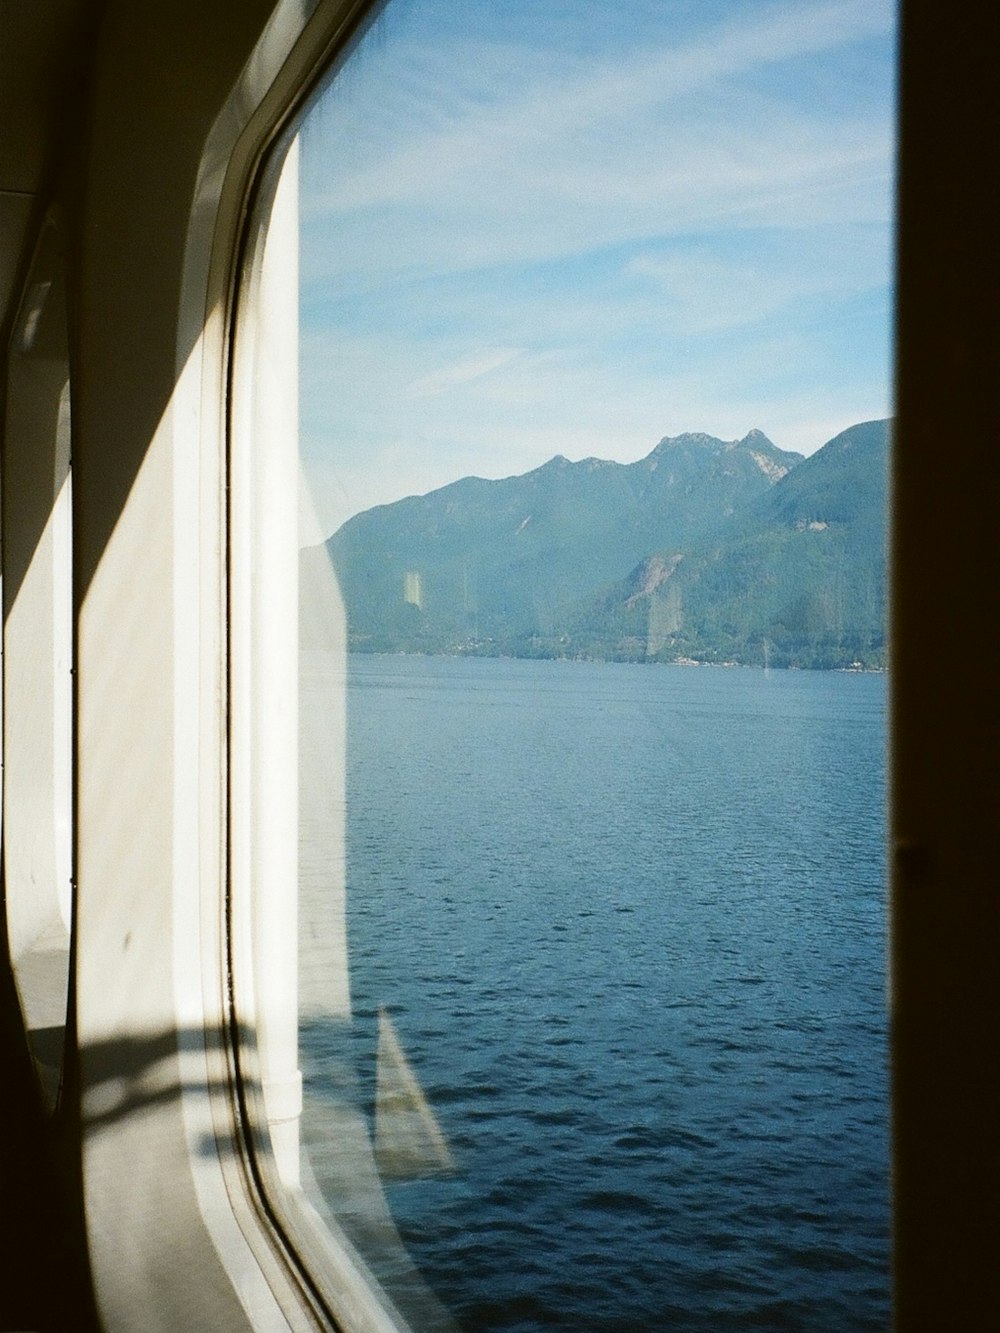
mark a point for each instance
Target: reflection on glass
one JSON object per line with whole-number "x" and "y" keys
{"x": 594, "y": 351}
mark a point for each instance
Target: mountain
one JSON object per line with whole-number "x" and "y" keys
{"x": 502, "y": 561}
{"x": 705, "y": 549}
{"x": 797, "y": 578}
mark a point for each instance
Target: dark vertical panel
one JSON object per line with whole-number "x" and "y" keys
{"x": 944, "y": 676}
{"x": 44, "y": 1276}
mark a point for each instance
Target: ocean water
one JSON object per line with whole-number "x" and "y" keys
{"x": 628, "y": 923}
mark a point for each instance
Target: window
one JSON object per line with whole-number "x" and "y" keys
{"x": 587, "y": 937}
{"x": 37, "y": 653}
{"x": 162, "y": 1241}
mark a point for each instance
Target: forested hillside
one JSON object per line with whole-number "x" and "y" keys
{"x": 705, "y": 550}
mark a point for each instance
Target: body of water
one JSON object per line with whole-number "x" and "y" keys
{"x": 628, "y": 923}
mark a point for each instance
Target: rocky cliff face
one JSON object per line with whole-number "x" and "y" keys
{"x": 796, "y": 578}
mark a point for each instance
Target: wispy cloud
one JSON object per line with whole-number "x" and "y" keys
{"x": 463, "y": 371}
{"x": 473, "y": 112}
{"x": 489, "y": 165}
{"x": 518, "y": 234}
{"x": 702, "y": 289}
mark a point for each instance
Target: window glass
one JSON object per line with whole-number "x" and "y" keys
{"x": 574, "y": 764}
{"x": 37, "y": 648}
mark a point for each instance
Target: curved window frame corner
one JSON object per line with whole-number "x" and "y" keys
{"x": 262, "y": 659}
{"x": 264, "y": 754}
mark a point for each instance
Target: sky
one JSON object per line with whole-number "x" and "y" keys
{"x": 570, "y": 227}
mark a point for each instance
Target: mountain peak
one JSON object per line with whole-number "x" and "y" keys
{"x": 662, "y": 558}
{"x": 696, "y": 438}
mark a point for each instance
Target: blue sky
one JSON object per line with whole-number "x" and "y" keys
{"x": 557, "y": 226}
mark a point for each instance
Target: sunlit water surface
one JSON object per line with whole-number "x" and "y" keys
{"x": 628, "y": 922}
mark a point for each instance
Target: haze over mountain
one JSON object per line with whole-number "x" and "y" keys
{"x": 706, "y": 550}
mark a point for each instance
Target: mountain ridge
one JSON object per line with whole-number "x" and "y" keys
{"x": 634, "y": 561}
